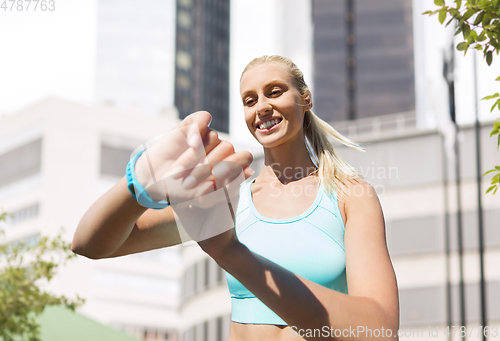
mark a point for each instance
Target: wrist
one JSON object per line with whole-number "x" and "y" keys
{"x": 142, "y": 172}
{"x": 223, "y": 247}
{"x": 137, "y": 189}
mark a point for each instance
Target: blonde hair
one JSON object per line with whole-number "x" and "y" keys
{"x": 316, "y": 132}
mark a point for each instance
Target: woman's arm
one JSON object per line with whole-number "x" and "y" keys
{"x": 372, "y": 302}
{"x": 117, "y": 225}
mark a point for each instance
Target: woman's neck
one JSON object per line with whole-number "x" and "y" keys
{"x": 287, "y": 162}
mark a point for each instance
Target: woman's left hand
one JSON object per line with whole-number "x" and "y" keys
{"x": 207, "y": 215}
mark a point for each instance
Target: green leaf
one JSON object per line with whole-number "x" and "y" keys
{"x": 442, "y": 15}
{"x": 489, "y": 57}
{"x": 486, "y": 20}
{"x": 459, "y": 3}
{"x": 439, "y": 2}
{"x": 497, "y": 168}
{"x": 490, "y": 189}
{"x": 494, "y": 132}
{"x": 491, "y": 170}
{"x": 495, "y": 190}
{"x": 462, "y": 46}
{"x": 479, "y": 18}
{"x": 497, "y": 103}
{"x": 482, "y": 36}
{"x": 478, "y": 47}
{"x": 490, "y": 97}
{"x": 449, "y": 22}
{"x": 428, "y": 12}
{"x": 498, "y": 78}
{"x": 466, "y": 30}
{"x": 470, "y": 12}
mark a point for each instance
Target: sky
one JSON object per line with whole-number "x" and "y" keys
{"x": 46, "y": 52}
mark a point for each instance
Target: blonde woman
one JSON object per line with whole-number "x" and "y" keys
{"x": 307, "y": 258}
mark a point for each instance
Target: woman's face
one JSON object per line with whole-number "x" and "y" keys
{"x": 274, "y": 110}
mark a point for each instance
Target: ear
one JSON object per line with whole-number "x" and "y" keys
{"x": 308, "y": 101}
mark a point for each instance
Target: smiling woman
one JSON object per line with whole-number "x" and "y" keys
{"x": 311, "y": 251}
{"x": 307, "y": 249}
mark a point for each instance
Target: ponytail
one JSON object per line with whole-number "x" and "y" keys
{"x": 331, "y": 168}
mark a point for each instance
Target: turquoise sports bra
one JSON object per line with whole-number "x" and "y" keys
{"x": 310, "y": 245}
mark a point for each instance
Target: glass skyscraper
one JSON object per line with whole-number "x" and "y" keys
{"x": 202, "y": 60}
{"x": 363, "y": 58}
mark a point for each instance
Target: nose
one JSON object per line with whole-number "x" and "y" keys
{"x": 263, "y": 106}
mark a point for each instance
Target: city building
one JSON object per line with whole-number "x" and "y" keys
{"x": 363, "y": 58}
{"x": 202, "y": 59}
{"x": 415, "y": 182}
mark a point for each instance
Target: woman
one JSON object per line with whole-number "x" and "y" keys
{"x": 308, "y": 257}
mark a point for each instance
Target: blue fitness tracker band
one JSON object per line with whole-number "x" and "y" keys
{"x": 134, "y": 187}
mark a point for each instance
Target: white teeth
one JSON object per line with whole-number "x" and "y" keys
{"x": 268, "y": 124}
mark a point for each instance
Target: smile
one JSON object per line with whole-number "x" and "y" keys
{"x": 269, "y": 125}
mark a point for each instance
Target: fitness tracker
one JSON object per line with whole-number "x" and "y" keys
{"x": 137, "y": 191}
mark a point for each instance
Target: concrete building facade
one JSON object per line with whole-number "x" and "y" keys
{"x": 57, "y": 157}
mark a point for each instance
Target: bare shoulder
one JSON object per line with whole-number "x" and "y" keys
{"x": 356, "y": 193}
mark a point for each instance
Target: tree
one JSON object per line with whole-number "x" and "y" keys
{"x": 25, "y": 270}
{"x": 479, "y": 23}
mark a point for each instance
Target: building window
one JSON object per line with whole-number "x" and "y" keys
{"x": 207, "y": 266}
{"x": 184, "y": 60}
{"x": 114, "y": 160}
{"x": 205, "y": 331}
{"x": 195, "y": 273}
{"x": 23, "y": 214}
{"x": 184, "y": 19}
{"x": 21, "y": 162}
{"x": 219, "y": 328}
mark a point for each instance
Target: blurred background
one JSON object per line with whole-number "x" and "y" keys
{"x": 85, "y": 84}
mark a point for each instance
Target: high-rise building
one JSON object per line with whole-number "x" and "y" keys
{"x": 202, "y": 60}
{"x": 363, "y": 58}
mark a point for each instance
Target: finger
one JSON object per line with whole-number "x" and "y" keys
{"x": 187, "y": 161}
{"x": 199, "y": 174}
{"x": 211, "y": 140}
{"x": 231, "y": 167}
{"x": 201, "y": 118}
{"x": 248, "y": 172}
